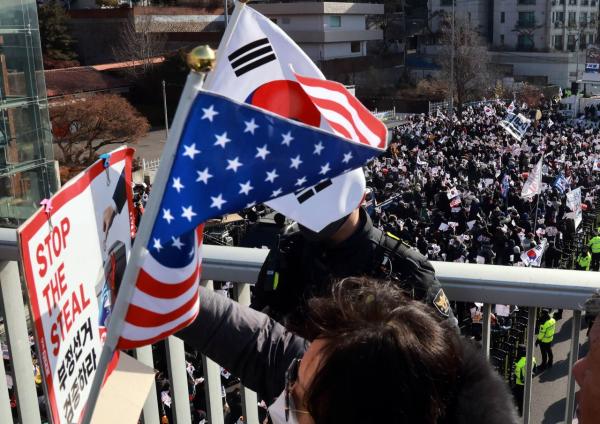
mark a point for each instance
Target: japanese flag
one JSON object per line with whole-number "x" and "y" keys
{"x": 256, "y": 62}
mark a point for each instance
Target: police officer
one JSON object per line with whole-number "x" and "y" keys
{"x": 519, "y": 374}
{"x": 305, "y": 263}
{"x": 594, "y": 244}
{"x": 545, "y": 338}
{"x": 584, "y": 259}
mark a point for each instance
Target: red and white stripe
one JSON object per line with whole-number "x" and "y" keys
{"x": 165, "y": 300}
{"x": 345, "y": 114}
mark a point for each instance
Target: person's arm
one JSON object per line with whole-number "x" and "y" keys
{"x": 247, "y": 343}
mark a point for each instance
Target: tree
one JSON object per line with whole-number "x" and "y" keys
{"x": 57, "y": 43}
{"x": 138, "y": 43}
{"x": 82, "y": 127}
{"x": 471, "y": 77}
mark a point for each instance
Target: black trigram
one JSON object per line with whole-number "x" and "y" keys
{"x": 310, "y": 192}
{"x": 251, "y": 56}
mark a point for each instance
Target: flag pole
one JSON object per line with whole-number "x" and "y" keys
{"x": 537, "y": 206}
{"x": 200, "y": 60}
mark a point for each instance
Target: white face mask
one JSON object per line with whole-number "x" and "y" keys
{"x": 277, "y": 411}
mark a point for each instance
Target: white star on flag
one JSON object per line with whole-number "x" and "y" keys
{"x": 325, "y": 169}
{"x": 209, "y": 113}
{"x": 262, "y": 152}
{"x": 277, "y": 193}
{"x": 245, "y": 188}
{"x": 295, "y": 162}
{"x": 203, "y": 176}
{"x": 157, "y": 245}
{"x": 234, "y": 164}
{"x": 287, "y": 138}
{"x": 177, "y": 242}
{"x": 191, "y": 151}
{"x": 271, "y": 176}
{"x": 347, "y": 157}
{"x": 177, "y": 184}
{"x": 318, "y": 148}
{"x": 250, "y": 126}
{"x": 217, "y": 202}
{"x": 167, "y": 215}
{"x": 188, "y": 213}
{"x": 300, "y": 181}
{"x": 222, "y": 140}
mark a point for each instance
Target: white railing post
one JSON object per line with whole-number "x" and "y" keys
{"x": 486, "y": 331}
{"x": 249, "y": 398}
{"x": 529, "y": 364}
{"x": 178, "y": 379}
{"x": 212, "y": 383}
{"x": 573, "y": 356}
{"x": 5, "y": 413}
{"x": 11, "y": 297}
{"x": 150, "y": 411}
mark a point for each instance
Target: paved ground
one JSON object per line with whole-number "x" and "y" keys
{"x": 550, "y": 387}
{"x": 149, "y": 147}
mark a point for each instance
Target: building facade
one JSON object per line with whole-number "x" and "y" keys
{"x": 477, "y": 13}
{"x": 545, "y": 25}
{"x": 27, "y": 170}
{"x": 327, "y": 30}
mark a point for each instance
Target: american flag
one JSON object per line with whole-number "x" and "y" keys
{"x": 230, "y": 156}
{"x": 346, "y": 116}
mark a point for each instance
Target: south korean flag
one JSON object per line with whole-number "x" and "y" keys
{"x": 256, "y": 62}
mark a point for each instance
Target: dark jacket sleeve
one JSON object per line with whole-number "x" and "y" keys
{"x": 245, "y": 342}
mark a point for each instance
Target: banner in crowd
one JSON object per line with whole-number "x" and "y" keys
{"x": 74, "y": 254}
{"x": 533, "y": 185}
{"x": 592, "y": 64}
{"x": 574, "y": 204}
{"x": 516, "y": 125}
{"x": 561, "y": 183}
{"x": 533, "y": 257}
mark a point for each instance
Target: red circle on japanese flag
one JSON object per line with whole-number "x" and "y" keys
{"x": 286, "y": 98}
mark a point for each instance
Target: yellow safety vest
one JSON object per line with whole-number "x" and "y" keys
{"x": 595, "y": 244}
{"x": 584, "y": 261}
{"x": 547, "y": 329}
{"x": 520, "y": 370}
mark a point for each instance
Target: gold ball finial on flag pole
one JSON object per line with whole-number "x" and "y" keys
{"x": 201, "y": 59}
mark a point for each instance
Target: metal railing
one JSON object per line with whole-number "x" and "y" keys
{"x": 490, "y": 284}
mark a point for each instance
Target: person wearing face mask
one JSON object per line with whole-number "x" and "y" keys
{"x": 367, "y": 344}
{"x": 587, "y": 371}
{"x": 304, "y": 264}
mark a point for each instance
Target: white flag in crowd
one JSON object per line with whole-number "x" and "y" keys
{"x": 533, "y": 257}
{"x": 596, "y": 165}
{"x": 489, "y": 111}
{"x": 533, "y": 185}
{"x": 574, "y": 203}
{"x": 511, "y": 107}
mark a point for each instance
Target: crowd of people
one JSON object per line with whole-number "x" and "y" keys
{"x": 451, "y": 184}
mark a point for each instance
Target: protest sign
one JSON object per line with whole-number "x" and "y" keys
{"x": 516, "y": 125}
{"x": 574, "y": 203}
{"x": 74, "y": 254}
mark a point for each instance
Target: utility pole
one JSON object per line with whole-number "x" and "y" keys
{"x": 164, "y": 95}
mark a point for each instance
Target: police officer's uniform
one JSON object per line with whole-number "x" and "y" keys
{"x": 299, "y": 269}
{"x": 594, "y": 245}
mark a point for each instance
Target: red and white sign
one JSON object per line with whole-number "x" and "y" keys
{"x": 73, "y": 258}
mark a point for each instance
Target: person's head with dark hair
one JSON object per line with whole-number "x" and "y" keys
{"x": 378, "y": 356}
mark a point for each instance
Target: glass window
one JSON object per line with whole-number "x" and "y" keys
{"x": 446, "y": 3}
{"x": 526, "y": 19}
{"x": 573, "y": 2}
{"x": 526, "y": 1}
{"x": 502, "y": 39}
{"x": 571, "y": 43}
{"x": 502, "y": 17}
{"x": 286, "y": 20}
{"x": 355, "y": 47}
{"x": 335, "y": 21}
{"x": 572, "y": 17}
{"x": 558, "y": 42}
{"x": 583, "y": 17}
{"x": 26, "y": 166}
{"x": 525, "y": 42}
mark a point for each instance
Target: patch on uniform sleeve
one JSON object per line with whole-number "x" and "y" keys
{"x": 441, "y": 303}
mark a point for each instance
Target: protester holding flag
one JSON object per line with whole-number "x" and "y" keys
{"x": 366, "y": 334}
